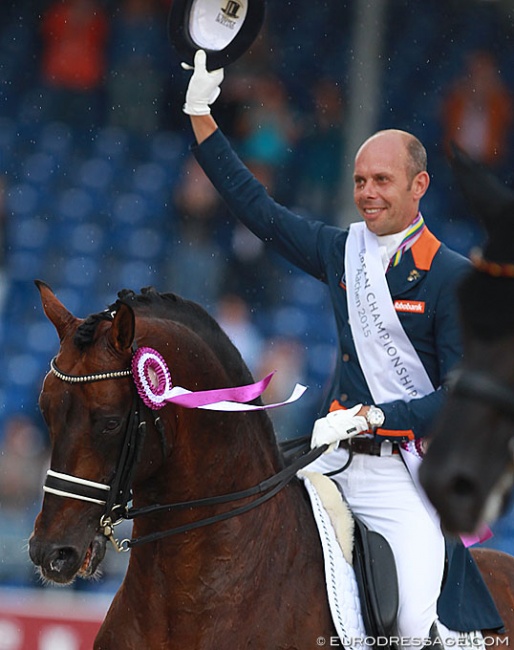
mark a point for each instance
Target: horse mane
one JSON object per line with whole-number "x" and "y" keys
{"x": 170, "y": 306}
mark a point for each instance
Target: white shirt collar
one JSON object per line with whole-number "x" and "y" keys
{"x": 388, "y": 245}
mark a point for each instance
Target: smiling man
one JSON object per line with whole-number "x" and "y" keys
{"x": 390, "y": 178}
{"x": 392, "y": 287}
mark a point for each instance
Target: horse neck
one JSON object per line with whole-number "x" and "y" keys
{"x": 213, "y": 453}
{"x": 208, "y": 453}
{"x": 219, "y": 459}
{"x": 226, "y": 459}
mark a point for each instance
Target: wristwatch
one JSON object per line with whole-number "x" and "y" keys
{"x": 375, "y": 417}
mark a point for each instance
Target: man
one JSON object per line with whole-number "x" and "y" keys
{"x": 391, "y": 283}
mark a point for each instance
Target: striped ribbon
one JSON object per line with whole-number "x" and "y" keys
{"x": 414, "y": 231}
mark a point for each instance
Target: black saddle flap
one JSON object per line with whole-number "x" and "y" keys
{"x": 375, "y": 571}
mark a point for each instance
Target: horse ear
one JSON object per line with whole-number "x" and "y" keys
{"x": 55, "y": 311}
{"x": 488, "y": 198}
{"x": 123, "y": 328}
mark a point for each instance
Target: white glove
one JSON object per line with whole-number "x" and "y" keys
{"x": 204, "y": 86}
{"x": 336, "y": 426}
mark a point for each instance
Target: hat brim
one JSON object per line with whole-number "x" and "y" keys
{"x": 225, "y": 29}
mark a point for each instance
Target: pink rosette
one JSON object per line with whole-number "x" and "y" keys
{"x": 153, "y": 382}
{"x": 151, "y": 376}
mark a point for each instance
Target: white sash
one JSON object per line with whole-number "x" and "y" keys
{"x": 391, "y": 365}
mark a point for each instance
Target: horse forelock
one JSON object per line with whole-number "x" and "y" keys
{"x": 85, "y": 334}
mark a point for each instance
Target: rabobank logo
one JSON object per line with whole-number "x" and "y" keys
{"x": 410, "y": 306}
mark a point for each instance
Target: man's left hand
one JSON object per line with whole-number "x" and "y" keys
{"x": 338, "y": 425}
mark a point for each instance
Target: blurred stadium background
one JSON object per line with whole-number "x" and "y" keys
{"x": 98, "y": 192}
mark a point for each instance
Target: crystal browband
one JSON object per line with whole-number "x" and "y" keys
{"x": 495, "y": 269}
{"x": 79, "y": 379}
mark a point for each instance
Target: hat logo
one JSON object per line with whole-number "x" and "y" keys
{"x": 231, "y": 9}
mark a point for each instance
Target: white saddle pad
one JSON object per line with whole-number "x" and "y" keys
{"x": 342, "y": 590}
{"x": 335, "y": 528}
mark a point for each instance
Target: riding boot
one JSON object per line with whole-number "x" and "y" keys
{"x": 470, "y": 640}
{"x": 435, "y": 639}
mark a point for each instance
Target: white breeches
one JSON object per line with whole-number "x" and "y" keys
{"x": 381, "y": 492}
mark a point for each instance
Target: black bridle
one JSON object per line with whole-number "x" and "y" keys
{"x": 479, "y": 385}
{"x": 473, "y": 383}
{"x": 116, "y": 496}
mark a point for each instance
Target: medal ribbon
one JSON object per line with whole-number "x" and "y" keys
{"x": 414, "y": 231}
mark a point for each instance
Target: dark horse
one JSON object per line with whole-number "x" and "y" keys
{"x": 255, "y": 580}
{"x": 469, "y": 468}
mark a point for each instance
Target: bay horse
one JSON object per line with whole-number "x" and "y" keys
{"x": 468, "y": 470}
{"x": 255, "y": 580}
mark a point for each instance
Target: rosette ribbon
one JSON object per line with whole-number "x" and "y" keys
{"x": 153, "y": 381}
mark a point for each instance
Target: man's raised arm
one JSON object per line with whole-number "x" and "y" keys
{"x": 203, "y": 90}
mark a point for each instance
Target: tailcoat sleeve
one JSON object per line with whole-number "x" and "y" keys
{"x": 301, "y": 241}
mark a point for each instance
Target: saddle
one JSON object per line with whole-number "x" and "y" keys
{"x": 377, "y": 581}
{"x": 374, "y": 571}
{"x": 366, "y": 551}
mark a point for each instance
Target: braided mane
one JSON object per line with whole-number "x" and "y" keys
{"x": 169, "y": 306}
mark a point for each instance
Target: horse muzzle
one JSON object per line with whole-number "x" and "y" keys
{"x": 455, "y": 495}
{"x": 463, "y": 499}
{"x": 63, "y": 563}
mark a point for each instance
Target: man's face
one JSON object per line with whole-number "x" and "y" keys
{"x": 383, "y": 192}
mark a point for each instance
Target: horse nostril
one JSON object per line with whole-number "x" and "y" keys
{"x": 63, "y": 557}
{"x": 462, "y": 486}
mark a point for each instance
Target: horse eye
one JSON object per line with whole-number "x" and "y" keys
{"x": 111, "y": 426}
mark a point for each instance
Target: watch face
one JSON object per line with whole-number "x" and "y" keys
{"x": 225, "y": 29}
{"x": 375, "y": 417}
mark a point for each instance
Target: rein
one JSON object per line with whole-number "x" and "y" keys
{"x": 267, "y": 488}
{"x": 115, "y": 497}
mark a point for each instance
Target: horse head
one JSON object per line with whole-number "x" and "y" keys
{"x": 108, "y": 447}
{"x": 85, "y": 423}
{"x": 469, "y": 467}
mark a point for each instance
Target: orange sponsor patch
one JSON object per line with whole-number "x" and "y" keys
{"x": 410, "y": 306}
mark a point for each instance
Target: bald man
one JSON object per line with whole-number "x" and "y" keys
{"x": 392, "y": 287}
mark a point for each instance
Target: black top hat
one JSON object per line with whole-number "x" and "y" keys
{"x": 225, "y": 29}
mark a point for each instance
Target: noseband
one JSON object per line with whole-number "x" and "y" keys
{"x": 115, "y": 497}
{"x": 66, "y": 485}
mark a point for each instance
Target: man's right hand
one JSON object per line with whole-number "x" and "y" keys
{"x": 204, "y": 86}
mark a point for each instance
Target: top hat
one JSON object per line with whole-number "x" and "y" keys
{"x": 225, "y": 29}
